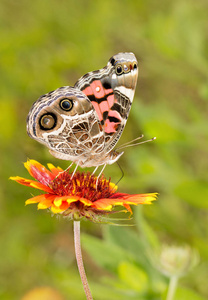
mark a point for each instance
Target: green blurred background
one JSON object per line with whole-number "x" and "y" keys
{"x": 48, "y": 44}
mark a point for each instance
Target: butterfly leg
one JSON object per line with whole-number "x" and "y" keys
{"x": 65, "y": 170}
{"x": 100, "y": 174}
{"x": 95, "y": 170}
{"x": 69, "y": 167}
{"x": 75, "y": 170}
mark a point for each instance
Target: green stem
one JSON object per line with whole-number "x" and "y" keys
{"x": 79, "y": 259}
{"x": 172, "y": 287}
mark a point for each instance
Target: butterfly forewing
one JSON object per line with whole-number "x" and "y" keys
{"x": 111, "y": 91}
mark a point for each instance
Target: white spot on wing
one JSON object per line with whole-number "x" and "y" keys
{"x": 124, "y": 90}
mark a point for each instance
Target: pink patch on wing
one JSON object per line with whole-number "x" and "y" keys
{"x": 87, "y": 91}
{"x": 98, "y": 89}
{"x": 111, "y": 100}
{"x": 104, "y": 106}
{"x": 110, "y": 126}
{"x": 97, "y": 109}
{"x": 115, "y": 114}
{"x": 108, "y": 91}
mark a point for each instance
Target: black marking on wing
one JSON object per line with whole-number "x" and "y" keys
{"x": 114, "y": 119}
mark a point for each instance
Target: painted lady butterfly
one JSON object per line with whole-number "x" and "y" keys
{"x": 83, "y": 123}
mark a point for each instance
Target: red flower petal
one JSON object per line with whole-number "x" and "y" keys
{"x": 58, "y": 201}
{"x": 47, "y": 202}
{"x": 60, "y": 209}
{"x": 124, "y": 200}
{"x": 32, "y": 183}
{"x": 54, "y": 170}
{"x": 35, "y": 199}
{"x": 39, "y": 172}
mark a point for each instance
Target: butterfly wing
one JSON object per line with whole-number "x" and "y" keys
{"x": 83, "y": 123}
{"x": 65, "y": 121}
{"x": 111, "y": 91}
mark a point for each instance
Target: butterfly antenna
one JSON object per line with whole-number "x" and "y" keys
{"x": 134, "y": 140}
{"x": 129, "y": 144}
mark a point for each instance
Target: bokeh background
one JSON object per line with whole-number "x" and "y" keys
{"x": 48, "y": 44}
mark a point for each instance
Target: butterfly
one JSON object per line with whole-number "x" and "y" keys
{"x": 83, "y": 123}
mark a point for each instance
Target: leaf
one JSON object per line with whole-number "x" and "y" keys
{"x": 125, "y": 238}
{"x": 111, "y": 289}
{"x": 146, "y": 231}
{"x": 184, "y": 294}
{"x": 194, "y": 192}
{"x": 134, "y": 276}
{"x": 106, "y": 255}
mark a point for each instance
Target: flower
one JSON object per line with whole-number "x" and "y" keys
{"x": 79, "y": 195}
{"x": 177, "y": 260}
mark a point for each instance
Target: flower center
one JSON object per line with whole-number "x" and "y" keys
{"x": 83, "y": 185}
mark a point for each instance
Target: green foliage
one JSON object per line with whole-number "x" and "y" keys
{"x": 48, "y": 44}
{"x": 185, "y": 294}
{"x": 124, "y": 253}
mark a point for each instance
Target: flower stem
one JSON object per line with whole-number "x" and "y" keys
{"x": 79, "y": 259}
{"x": 172, "y": 287}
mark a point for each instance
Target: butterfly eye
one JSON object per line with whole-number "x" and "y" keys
{"x": 47, "y": 121}
{"x": 135, "y": 66}
{"x": 119, "y": 70}
{"x": 66, "y": 104}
